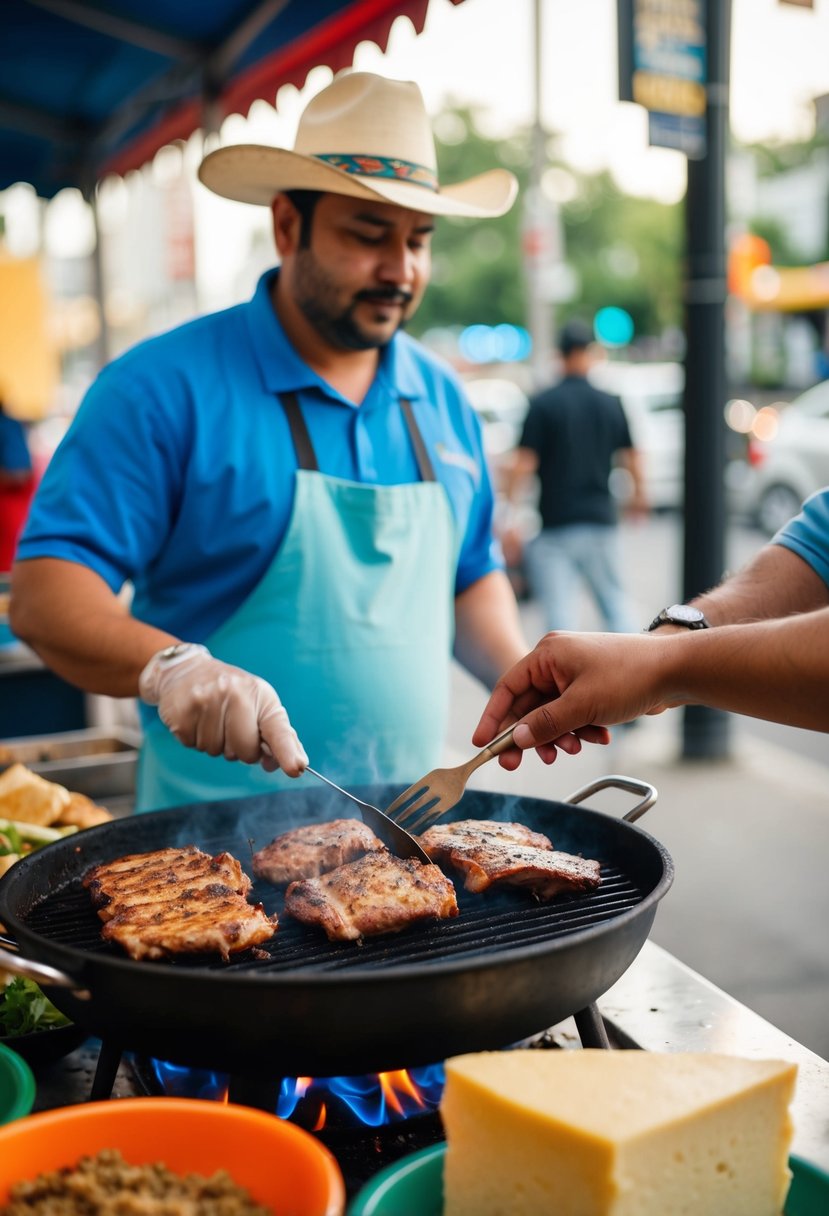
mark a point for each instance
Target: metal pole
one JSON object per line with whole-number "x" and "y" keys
{"x": 539, "y": 312}
{"x": 102, "y": 344}
{"x": 706, "y": 732}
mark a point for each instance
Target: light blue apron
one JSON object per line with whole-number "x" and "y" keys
{"x": 352, "y": 624}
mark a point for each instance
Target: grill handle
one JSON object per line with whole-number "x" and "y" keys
{"x": 613, "y": 781}
{"x": 41, "y": 973}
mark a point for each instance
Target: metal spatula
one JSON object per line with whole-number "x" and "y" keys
{"x": 395, "y": 838}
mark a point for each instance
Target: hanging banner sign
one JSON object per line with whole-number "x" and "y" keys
{"x": 662, "y": 66}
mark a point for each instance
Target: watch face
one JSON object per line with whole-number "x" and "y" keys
{"x": 684, "y": 612}
{"x": 172, "y": 652}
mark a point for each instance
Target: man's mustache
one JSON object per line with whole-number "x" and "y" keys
{"x": 390, "y": 295}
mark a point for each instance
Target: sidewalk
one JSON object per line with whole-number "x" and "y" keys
{"x": 749, "y": 908}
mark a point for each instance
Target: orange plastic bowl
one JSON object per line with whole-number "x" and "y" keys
{"x": 282, "y": 1167}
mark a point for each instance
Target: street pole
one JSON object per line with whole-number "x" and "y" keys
{"x": 103, "y": 341}
{"x": 539, "y": 312}
{"x": 706, "y": 732}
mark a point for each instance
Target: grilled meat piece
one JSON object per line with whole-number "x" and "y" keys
{"x": 313, "y": 850}
{"x": 486, "y": 852}
{"x": 443, "y": 839}
{"x": 140, "y": 878}
{"x": 379, "y": 893}
{"x": 177, "y": 901}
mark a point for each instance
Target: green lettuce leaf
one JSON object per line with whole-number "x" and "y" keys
{"x": 24, "y": 1008}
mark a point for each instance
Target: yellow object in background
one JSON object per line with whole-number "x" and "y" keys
{"x": 29, "y": 363}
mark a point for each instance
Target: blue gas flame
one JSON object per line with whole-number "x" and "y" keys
{"x": 372, "y": 1101}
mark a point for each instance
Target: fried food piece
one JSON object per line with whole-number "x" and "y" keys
{"x": 29, "y": 798}
{"x": 81, "y": 812}
{"x": 379, "y": 893}
{"x": 177, "y": 901}
{"x": 486, "y": 852}
{"x": 315, "y": 849}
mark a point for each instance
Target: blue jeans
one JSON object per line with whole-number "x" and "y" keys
{"x": 559, "y": 560}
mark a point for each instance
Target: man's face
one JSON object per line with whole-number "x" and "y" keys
{"x": 364, "y": 272}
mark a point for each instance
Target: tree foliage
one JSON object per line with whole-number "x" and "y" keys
{"x": 625, "y": 251}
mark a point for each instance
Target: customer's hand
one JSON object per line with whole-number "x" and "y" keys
{"x": 576, "y": 682}
{"x": 223, "y": 710}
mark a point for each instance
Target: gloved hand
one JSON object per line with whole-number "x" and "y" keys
{"x": 221, "y": 710}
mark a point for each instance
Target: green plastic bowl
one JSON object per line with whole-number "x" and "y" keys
{"x": 413, "y": 1186}
{"x": 17, "y": 1086}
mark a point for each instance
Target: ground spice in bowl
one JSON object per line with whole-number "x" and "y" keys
{"x": 107, "y": 1185}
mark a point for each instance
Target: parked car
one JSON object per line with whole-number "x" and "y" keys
{"x": 501, "y": 405}
{"x": 783, "y": 471}
{"x": 651, "y": 394}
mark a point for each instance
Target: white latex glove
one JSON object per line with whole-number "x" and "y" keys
{"x": 221, "y": 710}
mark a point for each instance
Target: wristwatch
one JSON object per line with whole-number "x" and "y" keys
{"x": 162, "y": 659}
{"x": 679, "y": 614}
{"x": 179, "y": 650}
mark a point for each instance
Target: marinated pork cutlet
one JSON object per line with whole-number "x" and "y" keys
{"x": 444, "y": 838}
{"x": 379, "y": 893}
{"x": 315, "y": 849}
{"x": 177, "y": 901}
{"x": 487, "y": 853}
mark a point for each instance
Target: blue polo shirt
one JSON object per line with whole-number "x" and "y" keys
{"x": 177, "y": 473}
{"x": 807, "y": 534}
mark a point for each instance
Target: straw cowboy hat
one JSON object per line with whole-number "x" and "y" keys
{"x": 365, "y": 136}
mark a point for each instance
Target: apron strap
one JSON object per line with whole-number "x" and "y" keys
{"x": 424, "y": 460}
{"x": 307, "y": 458}
{"x": 305, "y": 454}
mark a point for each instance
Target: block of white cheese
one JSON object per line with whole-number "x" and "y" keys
{"x": 615, "y": 1133}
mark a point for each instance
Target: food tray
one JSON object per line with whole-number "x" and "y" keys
{"x": 94, "y": 762}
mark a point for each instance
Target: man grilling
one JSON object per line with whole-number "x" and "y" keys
{"x": 295, "y": 489}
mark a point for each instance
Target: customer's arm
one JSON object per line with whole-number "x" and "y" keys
{"x": 775, "y": 583}
{"x": 790, "y": 574}
{"x": 776, "y": 669}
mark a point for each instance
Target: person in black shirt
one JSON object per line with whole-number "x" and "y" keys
{"x": 571, "y": 435}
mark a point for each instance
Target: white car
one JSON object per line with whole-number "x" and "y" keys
{"x": 785, "y": 470}
{"x": 651, "y": 394}
{"x": 501, "y": 405}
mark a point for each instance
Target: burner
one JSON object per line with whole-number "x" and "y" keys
{"x": 352, "y": 1105}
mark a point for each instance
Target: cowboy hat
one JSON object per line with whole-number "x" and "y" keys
{"x": 365, "y": 136}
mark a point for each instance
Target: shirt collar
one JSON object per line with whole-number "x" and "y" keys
{"x": 284, "y": 371}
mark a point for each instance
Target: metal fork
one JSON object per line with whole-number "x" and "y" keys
{"x": 436, "y": 793}
{"x": 396, "y": 838}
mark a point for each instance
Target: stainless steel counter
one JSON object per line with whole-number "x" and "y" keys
{"x": 659, "y": 1004}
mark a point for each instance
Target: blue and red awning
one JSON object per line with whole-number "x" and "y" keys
{"x": 90, "y": 87}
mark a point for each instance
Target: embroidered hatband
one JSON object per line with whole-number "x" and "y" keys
{"x": 381, "y": 166}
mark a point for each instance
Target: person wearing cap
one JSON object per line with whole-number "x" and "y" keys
{"x": 571, "y": 435}
{"x": 295, "y": 489}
